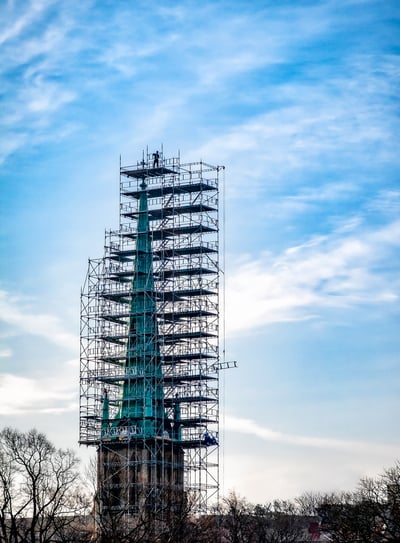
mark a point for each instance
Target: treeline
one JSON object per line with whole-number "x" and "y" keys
{"x": 44, "y": 499}
{"x": 369, "y": 514}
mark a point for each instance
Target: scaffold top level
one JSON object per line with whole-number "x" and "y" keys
{"x": 166, "y": 166}
{"x": 142, "y": 173}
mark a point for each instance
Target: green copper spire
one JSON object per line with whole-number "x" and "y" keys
{"x": 142, "y": 396}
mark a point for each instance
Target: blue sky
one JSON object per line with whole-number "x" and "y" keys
{"x": 300, "y": 101}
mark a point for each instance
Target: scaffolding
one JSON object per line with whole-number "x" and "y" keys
{"x": 149, "y": 384}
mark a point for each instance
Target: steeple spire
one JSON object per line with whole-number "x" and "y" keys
{"x": 142, "y": 396}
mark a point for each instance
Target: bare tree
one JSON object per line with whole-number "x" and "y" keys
{"x": 391, "y": 480}
{"x": 370, "y": 514}
{"x": 40, "y": 496}
{"x": 274, "y": 522}
{"x": 381, "y": 496}
{"x": 237, "y": 519}
{"x": 348, "y": 518}
{"x": 309, "y": 503}
{"x": 286, "y": 525}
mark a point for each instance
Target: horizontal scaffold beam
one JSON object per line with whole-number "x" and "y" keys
{"x": 165, "y": 212}
{"x": 165, "y": 190}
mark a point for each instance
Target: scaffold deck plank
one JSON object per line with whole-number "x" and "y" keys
{"x": 165, "y": 190}
{"x": 165, "y": 212}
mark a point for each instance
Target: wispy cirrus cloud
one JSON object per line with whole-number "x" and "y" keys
{"x": 32, "y": 11}
{"x": 45, "y": 97}
{"x": 292, "y": 140}
{"x": 337, "y": 271}
{"x": 17, "y": 313}
{"x": 106, "y": 45}
{"x": 37, "y": 50}
{"x": 250, "y": 427}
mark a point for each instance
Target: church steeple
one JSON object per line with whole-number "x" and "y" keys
{"x": 149, "y": 395}
{"x": 142, "y": 396}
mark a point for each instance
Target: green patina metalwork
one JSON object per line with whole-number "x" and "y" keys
{"x": 142, "y": 398}
{"x": 142, "y": 393}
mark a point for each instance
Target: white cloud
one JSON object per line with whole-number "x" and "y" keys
{"x": 287, "y": 465}
{"x": 45, "y": 97}
{"x": 325, "y": 272}
{"x": 297, "y": 138}
{"x": 22, "y": 395}
{"x": 305, "y": 129}
{"x": 325, "y": 192}
{"x": 248, "y": 426}
{"x": 386, "y": 201}
{"x": 268, "y": 471}
{"x": 13, "y": 143}
{"x": 5, "y": 352}
{"x": 19, "y": 23}
{"x": 18, "y": 314}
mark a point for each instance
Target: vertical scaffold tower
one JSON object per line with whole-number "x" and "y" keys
{"x": 149, "y": 393}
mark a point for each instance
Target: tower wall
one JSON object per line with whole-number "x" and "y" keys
{"x": 146, "y": 477}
